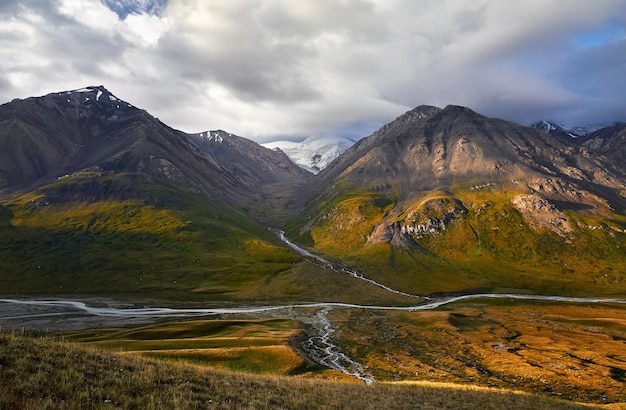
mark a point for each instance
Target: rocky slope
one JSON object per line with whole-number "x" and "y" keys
{"x": 458, "y": 191}
{"x": 610, "y": 142}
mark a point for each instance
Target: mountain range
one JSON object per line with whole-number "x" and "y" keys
{"x": 99, "y": 197}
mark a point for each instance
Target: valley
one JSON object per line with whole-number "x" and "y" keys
{"x": 570, "y": 348}
{"x": 446, "y": 247}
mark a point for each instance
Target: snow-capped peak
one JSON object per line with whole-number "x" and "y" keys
{"x": 552, "y": 127}
{"x": 314, "y": 153}
{"x": 95, "y": 93}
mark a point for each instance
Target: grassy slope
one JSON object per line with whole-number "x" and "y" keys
{"x": 569, "y": 351}
{"x": 251, "y": 346}
{"x": 122, "y": 237}
{"x": 42, "y": 373}
{"x": 154, "y": 242}
{"x": 491, "y": 246}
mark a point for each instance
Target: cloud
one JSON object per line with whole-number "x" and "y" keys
{"x": 292, "y": 68}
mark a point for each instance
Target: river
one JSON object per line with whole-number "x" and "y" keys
{"x": 62, "y": 314}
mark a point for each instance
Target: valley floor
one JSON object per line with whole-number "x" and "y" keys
{"x": 568, "y": 348}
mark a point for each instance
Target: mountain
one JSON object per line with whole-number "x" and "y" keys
{"x": 100, "y": 199}
{"x": 90, "y": 129}
{"x": 447, "y": 199}
{"x": 314, "y": 153}
{"x": 557, "y": 129}
{"x": 96, "y": 195}
{"x": 610, "y": 142}
{"x": 560, "y": 130}
{"x": 605, "y": 140}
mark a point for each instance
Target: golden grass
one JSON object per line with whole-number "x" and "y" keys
{"x": 108, "y": 216}
{"x": 46, "y": 373}
{"x": 345, "y": 227}
{"x": 569, "y": 351}
{"x": 276, "y": 360}
{"x": 489, "y": 246}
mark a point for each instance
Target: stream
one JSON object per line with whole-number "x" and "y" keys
{"x": 322, "y": 351}
{"x": 339, "y": 267}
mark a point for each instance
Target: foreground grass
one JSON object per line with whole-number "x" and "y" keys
{"x": 39, "y": 372}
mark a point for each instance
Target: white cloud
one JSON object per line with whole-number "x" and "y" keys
{"x": 302, "y": 67}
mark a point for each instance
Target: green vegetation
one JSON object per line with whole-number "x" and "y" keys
{"x": 252, "y": 346}
{"x": 486, "y": 243}
{"x": 45, "y": 373}
{"x": 123, "y": 236}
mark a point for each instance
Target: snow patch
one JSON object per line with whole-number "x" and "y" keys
{"x": 314, "y": 153}
{"x": 214, "y": 136}
{"x": 98, "y": 95}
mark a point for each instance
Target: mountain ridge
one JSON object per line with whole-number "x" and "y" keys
{"x": 61, "y": 133}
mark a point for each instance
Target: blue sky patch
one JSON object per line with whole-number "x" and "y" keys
{"x": 125, "y": 7}
{"x": 613, "y": 32}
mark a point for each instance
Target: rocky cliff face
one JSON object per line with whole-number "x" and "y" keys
{"x": 542, "y": 214}
{"x": 432, "y": 217}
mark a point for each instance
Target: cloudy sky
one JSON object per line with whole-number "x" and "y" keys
{"x": 286, "y": 69}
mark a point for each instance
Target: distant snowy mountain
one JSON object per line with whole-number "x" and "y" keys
{"x": 314, "y": 153}
{"x": 554, "y": 128}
